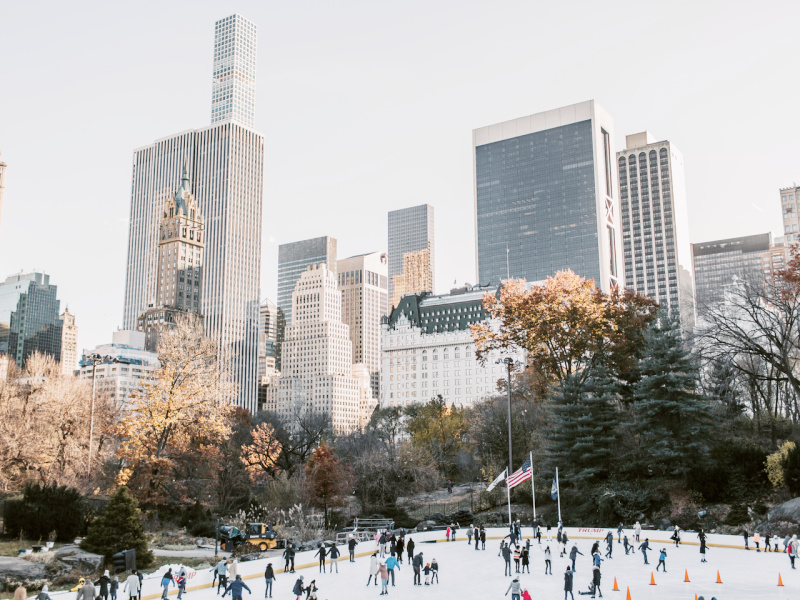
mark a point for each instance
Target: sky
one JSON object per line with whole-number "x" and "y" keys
{"x": 368, "y": 107}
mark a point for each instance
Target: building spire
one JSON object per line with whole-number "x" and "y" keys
{"x": 185, "y": 173}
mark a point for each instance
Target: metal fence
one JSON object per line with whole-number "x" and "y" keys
{"x": 476, "y": 503}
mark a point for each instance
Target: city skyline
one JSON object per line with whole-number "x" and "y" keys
{"x": 369, "y": 130}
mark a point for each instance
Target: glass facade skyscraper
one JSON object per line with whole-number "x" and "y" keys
{"x": 233, "y": 93}
{"x": 546, "y": 197}
{"x": 35, "y": 325}
{"x": 293, "y": 259}
{"x": 226, "y": 163}
{"x": 412, "y": 256}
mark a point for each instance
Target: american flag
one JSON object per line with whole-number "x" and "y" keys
{"x": 520, "y": 475}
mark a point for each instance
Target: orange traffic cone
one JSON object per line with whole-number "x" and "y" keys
{"x": 615, "y": 588}
{"x": 719, "y": 579}
{"x": 695, "y": 597}
{"x": 780, "y": 581}
{"x": 628, "y": 597}
{"x": 652, "y": 578}
{"x": 686, "y": 576}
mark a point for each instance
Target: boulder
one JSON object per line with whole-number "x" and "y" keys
{"x": 19, "y": 569}
{"x": 788, "y": 512}
{"x": 75, "y": 556}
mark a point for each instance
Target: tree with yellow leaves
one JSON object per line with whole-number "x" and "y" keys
{"x": 260, "y": 456}
{"x": 566, "y": 325}
{"x": 182, "y": 413}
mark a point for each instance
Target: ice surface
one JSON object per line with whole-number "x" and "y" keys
{"x": 467, "y": 574}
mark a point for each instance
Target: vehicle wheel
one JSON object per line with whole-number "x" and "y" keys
{"x": 262, "y": 546}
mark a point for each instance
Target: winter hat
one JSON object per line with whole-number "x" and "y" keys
{"x": 301, "y": 578}
{"x": 238, "y": 577}
{"x": 516, "y": 578}
{"x": 44, "y": 588}
{"x": 105, "y": 573}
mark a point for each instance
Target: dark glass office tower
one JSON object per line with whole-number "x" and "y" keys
{"x": 546, "y": 197}
{"x": 35, "y": 324}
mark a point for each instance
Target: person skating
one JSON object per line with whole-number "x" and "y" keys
{"x": 392, "y": 546}
{"x": 637, "y": 531}
{"x": 662, "y": 560}
{"x": 105, "y": 581}
{"x": 427, "y": 571}
{"x": 515, "y": 588}
{"x": 568, "y": 576}
{"x": 434, "y": 571}
{"x": 235, "y": 588}
{"x": 469, "y": 535}
{"x": 334, "y": 555}
{"x": 483, "y": 538}
{"x": 793, "y": 549}
{"x": 417, "y": 564}
{"x": 382, "y": 544}
{"x": 410, "y": 549}
{"x": 298, "y": 588}
{"x": 87, "y": 592}
{"x": 165, "y": 581}
{"x": 619, "y": 532}
{"x": 676, "y": 536}
{"x": 180, "y": 580}
{"x": 644, "y": 547}
{"x": 286, "y": 558}
{"x": 525, "y": 556}
{"x": 505, "y": 551}
{"x": 746, "y": 540}
{"x": 626, "y": 544}
{"x": 609, "y": 538}
{"x": 539, "y": 535}
{"x": 703, "y": 549}
{"x": 292, "y": 553}
{"x": 595, "y": 548}
{"x": 548, "y": 565}
{"x": 351, "y": 547}
{"x": 477, "y": 534}
{"x": 453, "y": 528}
{"x": 373, "y": 569}
{"x": 447, "y": 533}
{"x": 221, "y": 570}
{"x": 391, "y": 565}
{"x": 757, "y": 540}
{"x": 609, "y": 547}
{"x": 114, "y": 585}
{"x": 311, "y": 590}
{"x": 269, "y": 577}
{"x": 596, "y": 580}
{"x": 516, "y": 558}
{"x": 132, "y": 586}
{"x": 43, "y": 595}
{"x": 573, "y": 554}
{"x": 384, "y": 573}
{"x": 322, "y": 553}
{"x": 401, "y": 544}
{"x": 767, "y": 546}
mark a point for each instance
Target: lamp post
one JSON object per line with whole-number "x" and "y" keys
{"x": 95, "y": 359}
{"x": 509, "y": 362}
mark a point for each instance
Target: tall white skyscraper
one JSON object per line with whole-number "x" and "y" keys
{"x": 226, "y": 166}
{"x": 317, "y": 373}
{"x": 655, "y": 224}
{"x": 234, "y": 90}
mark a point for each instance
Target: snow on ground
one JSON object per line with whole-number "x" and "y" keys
{"x": 467, "y": 574}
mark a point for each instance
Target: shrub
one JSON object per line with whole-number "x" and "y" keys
{"x": 737, "y": 515}
{"x": 203, "y": 529}
{"x": 43, "y": 509}
{"x": 119, "y": 528}
{"x": 791, "y": 471}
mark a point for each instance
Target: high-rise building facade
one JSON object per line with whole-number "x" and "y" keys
{"x": 35, "y": 325}
{"x": 363, "y": 283}
{"x": 790, "y": 211}
{"x": 655, "y": 224}
{"x": 233, "y": 93}
{"x": 10, "y": 291}
{"x": 294, "y": 259}
{"x": 317, "y": 370}
{"x": 226, "y": 162}
{"x": 411, "y": 253}
{"x": 69, "y": 343}
{"x": 719, "y": 262}
{"x": 427, "y": 351}
{"x": 267, "y": 335}
{"x": 181, "y": 242}
{"x": 546, "y": 197}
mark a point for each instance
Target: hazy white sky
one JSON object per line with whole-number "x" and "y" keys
{"x": 369, "y": 106}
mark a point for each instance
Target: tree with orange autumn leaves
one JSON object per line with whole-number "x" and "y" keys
{"x": 260, "y": 456}
{"x": 566, "y": 325}
{"x": 185, "y": 410}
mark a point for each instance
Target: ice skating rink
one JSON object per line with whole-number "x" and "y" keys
{"x": 467, "y": 574}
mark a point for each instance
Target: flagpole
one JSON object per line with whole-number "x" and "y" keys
{"x": 558, "y": 491}
{"x": 533, "y": 490}
{"x": 508, "y": 491}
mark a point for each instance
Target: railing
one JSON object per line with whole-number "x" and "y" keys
{"x": 478, "y": 502}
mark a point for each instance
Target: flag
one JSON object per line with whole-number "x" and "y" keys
{"x": 520, "y": 475}
{"x": 496, "y": 481}
{"x": 554, "y": 489}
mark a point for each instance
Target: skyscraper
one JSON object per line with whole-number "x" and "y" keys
{"x": 226, "y": 166}
{"x": 69, "y": 343}
{"x": 294, "y": 259}
{"x": 181, "y": 242}
{"x": 546, "y": 197}
{"x": 365, "y": 300}
{"x": 411, "y": 251}
{"x": 267, "y": 335}
{"x": 790, "y": 209}
{"x": 34, "y": 325}
{"x": 655, "y": 223}
{"x": 10, "y": 291}
{"x": 718, "y": 262}
{"x": 233, "y": 93}
{"x": 317, "y": 368}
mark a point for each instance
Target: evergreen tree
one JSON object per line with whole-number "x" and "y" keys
{"x": 585, "y": 432}
{"x": 670, "y": 413}
{"x": 119, "y": 528}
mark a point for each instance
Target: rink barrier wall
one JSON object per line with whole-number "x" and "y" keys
{"x": 198, "y": 580}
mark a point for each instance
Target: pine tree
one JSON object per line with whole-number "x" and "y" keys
{"x": 670, "y": 413}
{"x": 585, "y": 433}
{"x": 119, "y": 528}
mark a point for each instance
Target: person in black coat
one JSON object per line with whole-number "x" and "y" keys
{"x": 568, "y": 575}
{"x": 410, "y": 549}
{"x": 400, "y": 547}
{"x": 104, "y": 582}
{"x": 269, "y": 576}
{"x": 351, "y": 546}
{"x": 483, "y": 538}
{"x": 322, "y": 553}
